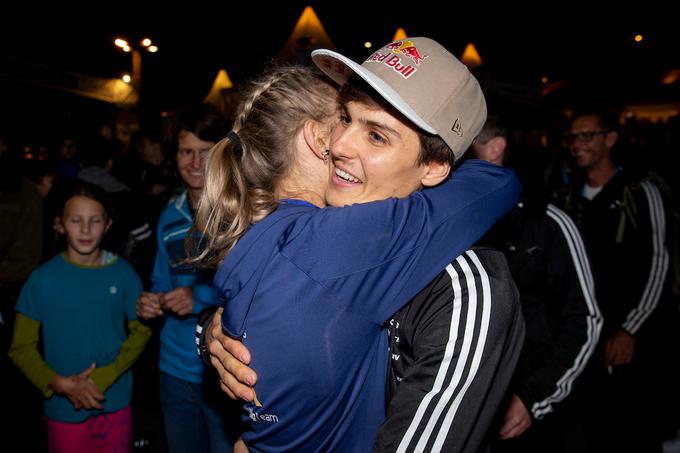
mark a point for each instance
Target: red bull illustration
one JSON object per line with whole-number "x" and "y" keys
{"x": 393, "y": 57}
{"x": 407, "y": 48}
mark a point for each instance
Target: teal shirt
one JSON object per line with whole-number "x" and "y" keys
{"x": 83, "y": 313}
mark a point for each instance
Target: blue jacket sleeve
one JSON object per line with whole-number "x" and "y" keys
{"x": 385, "y": 252}
{"x": 160, "y": 278}
{"x": 204, "y": 296}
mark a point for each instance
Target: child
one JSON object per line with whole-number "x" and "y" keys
{"x": 80, "y": 300}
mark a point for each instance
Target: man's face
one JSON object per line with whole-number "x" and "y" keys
{"x": 589, "y": 143}
{"x": 150, "y": 151}
{"x": 374, "y": 157}
{"x": 68, "y": 149}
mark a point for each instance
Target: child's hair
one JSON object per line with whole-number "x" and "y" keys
{"x": 87, "y": 190}
{"x": 241, "y": 178}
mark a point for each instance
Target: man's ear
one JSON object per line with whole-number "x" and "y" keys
{"x": 312, "y": 133}
{"x": 611, "y": 138}
{"x": 435, "y": 174}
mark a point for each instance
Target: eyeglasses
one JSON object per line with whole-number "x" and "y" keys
{"x": 583, "y": 137}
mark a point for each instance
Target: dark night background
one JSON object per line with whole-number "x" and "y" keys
{"x": 585, "y": 50}
{"x": 591, "y": 49}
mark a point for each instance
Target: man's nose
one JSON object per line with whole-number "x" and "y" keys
{"x": 343, "y": 143}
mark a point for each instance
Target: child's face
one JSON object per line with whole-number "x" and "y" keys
{"x": 84, "y": 224}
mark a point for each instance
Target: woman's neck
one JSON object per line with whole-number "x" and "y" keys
{"x": 307, "y": 176}
{"x": 193, "y": 196}
{"x": 288, "y": 189}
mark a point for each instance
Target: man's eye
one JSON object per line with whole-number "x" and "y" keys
{"x": 345, "y": 119}
{"x": 377, "y": 137}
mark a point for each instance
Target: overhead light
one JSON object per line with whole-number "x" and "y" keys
{"x": 127, "y": 78}
{"x": 368, "y": 44}
{"x": 146, "y": 42}
{"x": 121, "y": 43}
{"x": 152, "y": 49}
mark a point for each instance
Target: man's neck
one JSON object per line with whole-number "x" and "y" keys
{"x": 600, "y": 174}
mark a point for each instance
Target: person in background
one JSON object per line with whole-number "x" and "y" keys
{"x": 21, "y": 232}
{"x": 623, "y": 220}
{"x": 179, "y": 291}
{"x": 550, "y": 266}
{"x": 82, "y": 304}
{"x": 68, "y": 164}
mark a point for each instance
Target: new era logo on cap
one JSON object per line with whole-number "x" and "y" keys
{"x": 423, "y": 81}
{"x": 457, "y": 128}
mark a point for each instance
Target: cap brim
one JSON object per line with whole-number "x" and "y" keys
{"x": 382, "y": 88}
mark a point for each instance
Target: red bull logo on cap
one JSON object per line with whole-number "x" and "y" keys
{"x": 391, "y": 55}
{"x": 407, "y": 48}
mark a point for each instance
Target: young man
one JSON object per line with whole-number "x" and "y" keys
{"x": 623, "y": 220}
{"x": 481, "y": 327}
{"x": 549, "y": 264}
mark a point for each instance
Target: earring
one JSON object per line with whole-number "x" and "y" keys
{"x": 325, "y": 155}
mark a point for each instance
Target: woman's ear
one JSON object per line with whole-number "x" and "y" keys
{"x": 315, "y": 138}
{"x": 436, "y": 173}
{"x": 58, "y": 225}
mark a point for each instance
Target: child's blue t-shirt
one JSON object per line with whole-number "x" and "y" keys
{"x": 83, "y": 313}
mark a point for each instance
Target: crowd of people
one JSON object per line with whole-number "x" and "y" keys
{"x": 365, "y": 260}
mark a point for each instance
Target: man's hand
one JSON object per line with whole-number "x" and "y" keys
{"x": 149, "y": 305}
{"x": 240, "y": 446}
{"x": 620, "y": 349}
{"x": 517, "y": 419}
{"x": 230, "y": 358}
{"x": 81, "y": 391}
{"x": 179, "y": 301}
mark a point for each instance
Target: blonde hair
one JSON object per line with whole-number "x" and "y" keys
{"x": 239, "y": 186}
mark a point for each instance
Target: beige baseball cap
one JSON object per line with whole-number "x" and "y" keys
{"x": 424, "y": 82}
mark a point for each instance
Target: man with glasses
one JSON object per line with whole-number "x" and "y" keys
{"x": 623, "y": 222}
